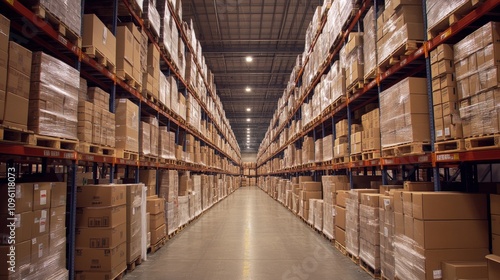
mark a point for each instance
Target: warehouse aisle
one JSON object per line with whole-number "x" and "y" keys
{"x": 248, "y": 236}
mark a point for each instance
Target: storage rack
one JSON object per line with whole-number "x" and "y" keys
{"x": 32, "y": 161}
{"x": 417, "y": 63}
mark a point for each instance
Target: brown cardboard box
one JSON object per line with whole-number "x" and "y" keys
{"x": 19, "y": 59}
{"x": 41, "y": 196}
{"x": 18, "y": 83}
{"x": 101, "y": 195}
{"x": 22, "y": 256}
{"x": 4, "y": 33}
{"x": 58, "y": 194}
{"x": 39, "y": 248}
{"x": 101, "y": 237}
{"x": 96, "y": 34}
{"x": 495, "y": 204}
{"x": 94, "y": 259}
{"x": 2, "y": 99}
{"x": 101, "y": 217}
{"x": 156, "y": 220}
{"x": 342, "y": 195}
{"x": 449, "y": 94}
{"x": 407, "y": 204}
{"x": 436, "y": 98}
{"x": 418, "y": 186}
{"x": 57, "y": 240}
{"x": 493, "y": 266}
{"x": 147, "y": 177}
{"x": 306, "y": 195}
{"x": 442, "y": 234}
{"x": 453, "y": 206}
{"x": 23, "y": 226}
{"x": 370, "y": 199}
{"x": 41, "y": 223}
{"x": 311, "y": 186}
{"x": 124, "y": 49}
{"x": 57, "y": 218}
{"x": 340, "y": 236}
{"x": 399, "y": 223}
{"x": 16, "y": 111}
{"x": 158, "y": 234}
{"x": 409, "y": 226}
{"x": 113, "y": 274}
{"x": 24, "y": 198}
{"x": 465, "y": 270}
{"x": 495, "y": 244}
{"x": 495, "y": 224}
{"x": 127, "y": 125}
{"x": 340, "y": 217}
{"x": 155, "y": 205}
{"x": 398, "y": 201}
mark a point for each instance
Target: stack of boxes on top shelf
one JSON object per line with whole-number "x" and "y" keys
{"x": 40, "y": 231}
{"x": 351, "y": 57}
{"x": 151, "y": 16}
{"x": 128, "y": 55}
{"x": 157, "y": 225}
{"x": 101, "y": 233}
{"x": 369, "y": 44}
{"x": 331, "y": 184}
{"x": 127, "y": 127}
{"x": 370, "y": 137}
{"x": 341, "y": 144}
{"x": 476, "y": 60}
{"x": 447, "y": 121}
{"x": 98, "y": 42}
{"x": 400, "y": 29}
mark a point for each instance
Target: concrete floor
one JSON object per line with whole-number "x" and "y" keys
{"x": 248, "y": 236}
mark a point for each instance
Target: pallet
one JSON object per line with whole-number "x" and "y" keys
{"x": 147, "y": 25}
{"x": 88, "y": 148}
{"x": 483, "y": 142}
{"x": 354, "y": 259}
{"x": 355, "y": 87}
{"x": 94, "y": 53}
{"x": 414, "y": 148}
{"x": 16, "y": 135}
{"x": 399, "y": 54}
{"x": 121, "y": 275}
{"x": 368, "y": 155}
{"x": 341, "y": 160}
{"x": 357, "y": 157}
{"x": 370, "y": 76}
{"x": 127, "y": 154}
{"x": 455, "y": 145}
{"x": 58, "y": 25}
{"x": 341, "y": 248}
{"x": 452, "y": 18}
{"x": 55, "y": 143}
{"x": 131, "y": 266}
{"x": 129, "y": 80}
{"x": 327, "y": 237}
{"x": 167, "y": 161}
{"x": 374, "y": 273}
{"x": 158, "y": 245}
{"x": 148, "y": 158}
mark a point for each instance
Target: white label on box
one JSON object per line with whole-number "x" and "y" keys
{"x": 447, "y": 131}
{"x": 19, "y": 193}
{"x": 437, "y": 274}
{"x": 387, "y": 202}
{"x": 33, "y": 241}
{"x": 40, "y": 250}
{"x": 439, "y": 133}
{"x": 43, "y": 197}
{"x": 36, "y": 187}
{"x": 18, "y": 220}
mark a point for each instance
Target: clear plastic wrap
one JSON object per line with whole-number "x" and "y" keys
{"x": 136, "y": 224}
{"x": 151, "y": 14}
{"x": 312, "y": 208}
{"x": 329, "y": 220}
{"x": 164, "y": 91}
{"x": 351, "y": 57}
{"x": 127, "y": 125}
{"x": 145, "y": 138}
{"x": 369, "y": 250}
{"x": 352, "y": 226}
{"x": 53, "y": 107}
{"x": 369, "y": 42}
{"x": 409, "y": 264}
{"x": 396, "y": 38}
{"x": 480, "y": 113}
{"x": 165, "y": 18}
{"x": 68, "y": 12}
{"x": 439, "y": 10}
{"x": 183, "y": 210}
{"x": 318, "y": 214}
{"x": 46, "y": 267}
{"x": 172, "y": 216}
{"x": 404, "y": 113}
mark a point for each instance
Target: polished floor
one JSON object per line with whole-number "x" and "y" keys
{"x": 248, "y": 236}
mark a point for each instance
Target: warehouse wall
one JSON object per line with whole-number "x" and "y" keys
{"x": 248, "y": 157}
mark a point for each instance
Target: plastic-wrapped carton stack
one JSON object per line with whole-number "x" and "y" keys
{"x": 183, "y": 210}
{"x": 353, "y": 220}
{"x": 318, "y": 215}
{"x": 197, "y": 195}
{"x": 369, "y": 235}
{"x": 96, "y": 124}
{"x": 136, "y": 223}
{"x": 136, "y": 53}
{"x": 164, "y": 91}
{"x": 356, "y": 139}
{"x": 445, "y": 100}
{"x": 157, "y": 226}
{"x": 149, "y": 133}
{"x": 165, "y": 24}
{"x": 167, "y": 143}
{"x": 439, "y": 12}
{"x": 312, "y": 208}
{"x": 340, "y": 217}
{"x": 102, "y": 212}
{"x": 369, "y": 44}
{"x": 205, "y": 192}
{"x": 151, "y": 16}
{"x": 330, "y": 186}
{"x": 148, "y": 178}
{"x": 127, "y": 125}
{"x": 295, "y": 198}
{"x": 328, "y": 147}
{"x": 406, "y": 121}
{"x": 308, "y": 150}
{"x": 351, "y": 57}
{"x": 151, "y": 78}
{"x": 341, "y": 144}
{"x": 308, "y": 190}
{"x": 60, "y": 118}
{"x": 68, "y": 12}
{"x": 169, "y": 190}
{"x": 476, "y": 69}
{"x": 371, "y": 133}
{"x": 386, "y": 217}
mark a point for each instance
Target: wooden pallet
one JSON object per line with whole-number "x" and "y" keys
{"x": 354, "y": 259}
{"x": 374, "y": 272}
{"x": 326, "y": 236}
{"x": 399, "y": 54}
{"x": 158, "y": 245}
{"x": 55, "y": 143}
{"x": 452, "y": 18}
{"x": 455, "y": 145}
{"x": 88, "y": 148}
{"x": 341, "y": 248}
{"x": 16, "y": 135}
{"x": 414, "y": 148}
{"x": 357, "y": 157}
{"x": 127, "y": 154}
{"x": 132, "y": 265}
{"x": 129, "y": 80}
{"x": 341, "y": 160}
{"x": 370, "y": 76}
{"x": 96, "y": 54}
{"x": 355, "y": 87}
{"x": 61, "y": 28}
{"x": 167, "y": 161}
{"x": 148, "y": 158}
{"x": 483, "y": 142}
{"x": 121, "y": 275}
{"x": 368, "y": 155}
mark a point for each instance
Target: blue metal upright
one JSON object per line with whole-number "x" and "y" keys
{"x": 71, "y": 220}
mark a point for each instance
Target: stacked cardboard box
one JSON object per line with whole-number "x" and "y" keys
{"x": 166, "y": 143}
{"x": 16, "y": 68}
{"x": 148, "y": 178}
{"x": 151, "y": 15}
{"x": 356, "y": 139}
{"x": 183, "y": 209}
{"x": 444, "y": 94}
{"x": 331, "y": 184}
{"x": 193, "y": 114}
{"x": 476, "y": 68}
{"x": 407, "y": 120}
{"x": 424, "y": 237}
{"x": 340, "y": 216}
{"x": 400, "y": 24}
{"x": 157, "y": 226}
{"x": 164, "y": 91}
{"x": 341, "y": 143}
{"x": 369, "y": 236}
{"x": 439, "y": 12}
{"x": 137, "y": 42}
{"x": 494, "y": 259}
{"x": 352, "y": 228}
{"x": 127, "y": 125}
{"x": 369, "y": 44}
{"x": 101, "y": 234}
{"x": 68, "y": 12}
{"x": 197, "y": 195}
{"x": 318, "y": 150}
{"x": 149, "y": 134}
{"x": 4, "y": 57}
{"x": 327, "y": 147}
{"x": 351, "y": 57}
{"x": 125, "y": 47}
{"x": 318, "y": 215}
{"x": 53, "y": 109}
{"x": 169, "y": 190}
{"x": 312, "y": 208}
{"x": 308, "y": 190}
{"x": 98, "y": 39}
{"x": 136, "y": 223}
{"x": 93, "y": 113}
{"x": 151, "y": 78}
{"x": 371, "y": 132}
{"x": 386, "y": 217}
{"x": 308, "y": 150}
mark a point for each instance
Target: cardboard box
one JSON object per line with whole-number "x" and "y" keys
{"x": 399, "y": 223}
{"x": 23, "y": 226}
{"x": 158, "y": 234}
{"x": 41, "y": 223}
{"x": 409, "y": 226}
{"x": 340, "y": 217}
{"x": 58, "y": 194}
{"x": 495, "y": 204}
{"x": 101, "y": 237}
{"x": 101, "y": 195}
{"x": 127, "y": 125}
{"x": 465, "y": 270}
{"x": 495, "y": 244}
{"x": 147, "y": 177}
{"x": 124, "y": 50}
{"x": 442, "y": 234}
{"x": 20, "y": 59}
{"x": 340, "y": 236}
{"x": 18, "y": 83}
{"x": 156, "y": 220}
{"x": 155, "y": 205}
{"x": 451, "y": 205}
{"x": 341, "y": 197}
{"x": 22, "y": 255}
{"x": 4, "y": 33}
{"x": 311, "y": 186}
{"x": 96, "y": 34}
{"x": 24, "y": 198}
{"x": 57, "y": 218}
{"x": 493, "y": 266}
{"x": 39, "y": 248}
{"x": 101, "y": 217}
{"x": 57, "y": 240}
{"x": 93, "y": 259}
{"x": 418, "y": 186}
{"x": 16, "y": 111}
{"x": 495, "y": 224}
{"x": 113, "y": 274}
{"x": 407, "y": 204}
{"x": 370, "y": 199}
{"x": 398, "y": 201}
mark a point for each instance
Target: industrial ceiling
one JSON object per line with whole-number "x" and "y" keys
{"x": 272, "y": 33}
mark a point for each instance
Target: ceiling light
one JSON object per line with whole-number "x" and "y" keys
{"x": 248, "y": 89}
{"x": 249, "y": 109}
{"x": 248, "y": 128}
{"x": 248, "y": 120}
{"x": 249, "y": 59}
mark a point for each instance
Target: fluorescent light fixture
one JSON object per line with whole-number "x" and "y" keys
{"x": 248, "y": 89}
{"x": 249, "y": 109}
{"x": 249, "y": 59}
{"x": 248, "y": 120}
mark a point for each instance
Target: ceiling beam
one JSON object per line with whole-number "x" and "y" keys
{"x": 245, "y": 50}
{"x": 242, "y": 73}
